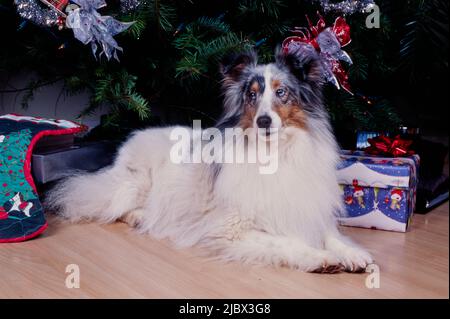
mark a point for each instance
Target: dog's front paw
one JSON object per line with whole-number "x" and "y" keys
{"x": 330, "y": 269}
{"x": 355, "y": 259}
{"x": 133, "y": 218}
{"x": 326, "y": 263}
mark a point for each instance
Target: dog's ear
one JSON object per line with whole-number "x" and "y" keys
{"x": 303, "y": 62}
{"x": 234, "y": 64}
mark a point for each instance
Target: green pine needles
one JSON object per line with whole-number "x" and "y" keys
{"x": 171, "y": 53}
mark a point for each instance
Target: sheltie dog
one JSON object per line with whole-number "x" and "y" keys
{"x": 287, "y": 217}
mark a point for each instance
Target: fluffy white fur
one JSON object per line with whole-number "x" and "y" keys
{"x": 286, "y": 218}
{"x": 235, "y": 213}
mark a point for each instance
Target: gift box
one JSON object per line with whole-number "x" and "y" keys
{"x": 378, "y": 192}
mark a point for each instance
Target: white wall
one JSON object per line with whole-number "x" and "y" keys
{"x": 44, "y": 101}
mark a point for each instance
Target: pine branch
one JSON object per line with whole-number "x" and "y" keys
{"x": 212, "y": 24}
{"x": 425, "y": 34}
{"x": 163, "y": 14}
{"x": 137, "y": 28}
{"x": 196, "y": 60}
{"x": 187, "y": 40}
{"x": 152, "y": 12}
{"x": 189, "y": 66}
{"x": 222, "y": 45}
{"x": 137, "y": 103}
{"x": 119, "y": 91}
{"x": 359, "y": 69}
{"x": 270, "y": 8}
{"x": 200, "y": 30}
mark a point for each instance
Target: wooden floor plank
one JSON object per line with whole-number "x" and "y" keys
{"x": 115, "y": 262}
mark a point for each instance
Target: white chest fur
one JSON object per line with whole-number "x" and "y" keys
{"x": 302, "y": 194}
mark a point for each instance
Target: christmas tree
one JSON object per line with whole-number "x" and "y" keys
{"x": 171, "y": 53}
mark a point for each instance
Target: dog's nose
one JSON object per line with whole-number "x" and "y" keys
{"x": 264, "y": 121}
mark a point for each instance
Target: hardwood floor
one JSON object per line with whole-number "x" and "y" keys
{"x": 115, "y": 262}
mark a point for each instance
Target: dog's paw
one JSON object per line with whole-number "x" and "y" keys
{"x": 330, "y": 269}
{"x": 355, "y": 259}
{"x": 133, "y": 218}
{"x": 325, "y": 263}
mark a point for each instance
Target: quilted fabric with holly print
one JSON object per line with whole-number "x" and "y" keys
{"x": 21, "y": 214}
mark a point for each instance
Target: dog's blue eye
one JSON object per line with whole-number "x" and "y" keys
{"x": 280, "y": 92}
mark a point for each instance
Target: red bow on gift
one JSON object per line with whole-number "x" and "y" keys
{"x": 328, "y": 42}
{"x": 389, "y": 146}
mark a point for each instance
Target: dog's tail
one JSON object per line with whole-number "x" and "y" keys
{"x": 103, "y": 196}
{"x": 114, "y": 191}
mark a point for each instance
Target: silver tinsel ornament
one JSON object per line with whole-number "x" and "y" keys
{"x": 90, "y": 27}
{"x": 36, "y": 12}
{"x": 346, "y": 7}
{"x": 129, "y": 5}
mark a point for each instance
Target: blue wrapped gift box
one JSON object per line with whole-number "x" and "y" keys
{"x": 378, "y": 192}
